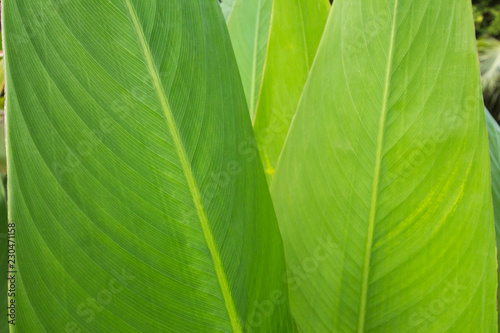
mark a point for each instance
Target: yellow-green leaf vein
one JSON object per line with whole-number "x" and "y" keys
{"x": 188, "y": 173}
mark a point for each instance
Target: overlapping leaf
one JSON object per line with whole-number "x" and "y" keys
{"x": 296, "y": 29}
{"x": 383, "y": 189}
{"x": 248, "y": 22}
{"x": 140, "y": 203}
{"x": 227, "y": 7}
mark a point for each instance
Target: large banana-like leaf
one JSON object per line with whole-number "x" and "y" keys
{"x": 139, "y": 200}
{"x": 383, "y": 189}
{"x": 248, "y": 22}
{"x": 296, "y": 29}
{"x": 494, "y": 139}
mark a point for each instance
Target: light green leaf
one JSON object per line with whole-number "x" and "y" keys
{"x": 494, "y": 139}
{"x": 296, "y": 29}
{"x": 227, "y": 7}
{"x": 248, "y": 24}
{"x": 383, "y": 189}
{"x": 139, "y": 198}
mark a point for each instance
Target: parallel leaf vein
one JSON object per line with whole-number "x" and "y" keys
{"x": 376, "y": 179}
{"x": 254, "y": 58}
{"x": 188, "y": 173}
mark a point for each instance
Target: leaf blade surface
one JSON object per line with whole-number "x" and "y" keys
{"x": 137, "y": 209}
{"x": 296, "y": 29}
{"x": 389, "y": 136}
{"x": 248, "y": 24}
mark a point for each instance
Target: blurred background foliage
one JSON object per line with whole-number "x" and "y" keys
{"x": 487, "y": 17}
{"x": 487, "y": 20}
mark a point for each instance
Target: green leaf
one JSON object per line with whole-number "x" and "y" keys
{"x": 248, "y": 23}
{"x": 3, "y": 157}
{"x": 296, "y": 29}
{"x": 2, "y": 86}
{"x": 227, "y": 7}
{"x": 383, "y": 189}
{"x": 139, "y": 198}
{"x": 2, "y": 80}
{"x": 494, "y": 139}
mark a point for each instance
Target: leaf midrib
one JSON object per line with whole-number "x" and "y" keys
{"x": 254, "y": 59}
{"x": 304, "y": 39}
{"x": 188, "y": 173}
{"x": 376, "y": 179}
